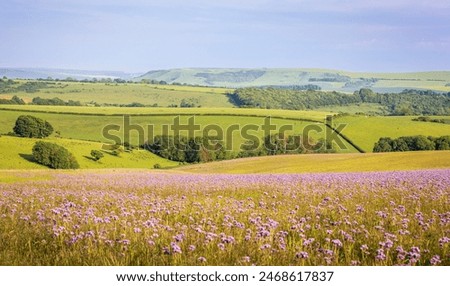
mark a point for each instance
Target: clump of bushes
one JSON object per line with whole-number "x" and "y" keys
{"x": 96, "y": 155}
{"x": 54, "y": 101}
{"x": 54, "y": 156}
{"x": 32, "y": 127}
{"x": 428, "y": 119}
{"x": 14, "y": 100}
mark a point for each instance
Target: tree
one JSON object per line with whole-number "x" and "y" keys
{"x": 366, "y": 94}
{"x": 383, "y": 145}
{"x": 97, "y": 155}
{"x": 32, "y": 127}
{"x": 400, "y": 145}
{"x": 54, "y": 156}
{"x": 442, "y": 143}
{"x": 423, "y": 143}
{"x": 16, "y": 100}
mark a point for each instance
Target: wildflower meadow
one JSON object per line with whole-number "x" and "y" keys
{"x": 123, "y": 217}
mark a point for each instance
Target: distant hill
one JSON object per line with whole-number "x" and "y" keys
{"x": 35, "y": 73}
{"x": 323, "y": 78}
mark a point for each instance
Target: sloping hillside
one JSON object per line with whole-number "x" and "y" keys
{"x": 316, "y": 163}
{"x": 325, "y": 79}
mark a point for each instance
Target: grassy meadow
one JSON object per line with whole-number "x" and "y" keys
{"x": 124, "y": 93}
{"x": 364, "y": 131}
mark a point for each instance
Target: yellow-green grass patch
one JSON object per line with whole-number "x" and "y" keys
{"x": 17, "y": 154}
{"x": 317, "y": 163}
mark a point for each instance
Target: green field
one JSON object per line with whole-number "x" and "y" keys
{"x": 123, "y": 93}
{"x": 89, "y": 127}
{"x": 91, "y": 110}
{"x": 364, "y": 131}
{"x": 318, "y": 163}
{"x": 16, "y": 154}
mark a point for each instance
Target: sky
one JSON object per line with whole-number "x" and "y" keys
{"x": 139, "y": 35}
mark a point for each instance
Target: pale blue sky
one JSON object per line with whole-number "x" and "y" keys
{"x": 138, "y": 35}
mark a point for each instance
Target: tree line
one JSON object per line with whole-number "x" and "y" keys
{"x": 54, "y": 101}
{"x": 206, "y": 149}
{"x": 15, "y": 100}
{"x": 412, "y": 143}
{"x": 408, "y": 102}
{"x": 10, "y": 86}
{"x": 188, "y": 150}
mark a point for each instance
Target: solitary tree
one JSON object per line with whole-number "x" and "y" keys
{"x": 32, "y": 127}
{"x": 54, "y": 156}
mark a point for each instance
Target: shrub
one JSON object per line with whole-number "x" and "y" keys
{"x": 54, "y": 156}
{"x": 97, "y": 155}
{"x": 157, "y": 166}
{"x": 32, "y": 127}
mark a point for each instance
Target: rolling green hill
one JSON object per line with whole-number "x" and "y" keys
{"x": 89, "y": 127}
{"x": 326, "y": 79}
{"x": 16, "y": 154}
{"x": 120, "y": 93}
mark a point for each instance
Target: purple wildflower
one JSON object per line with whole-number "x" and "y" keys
{"x": 337, "y": 242}
{"x": 302, "y": 255}
{"x": 381, "y": 256}
{"x": 175, "y": 247}
{"x": 435, "y": 260}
